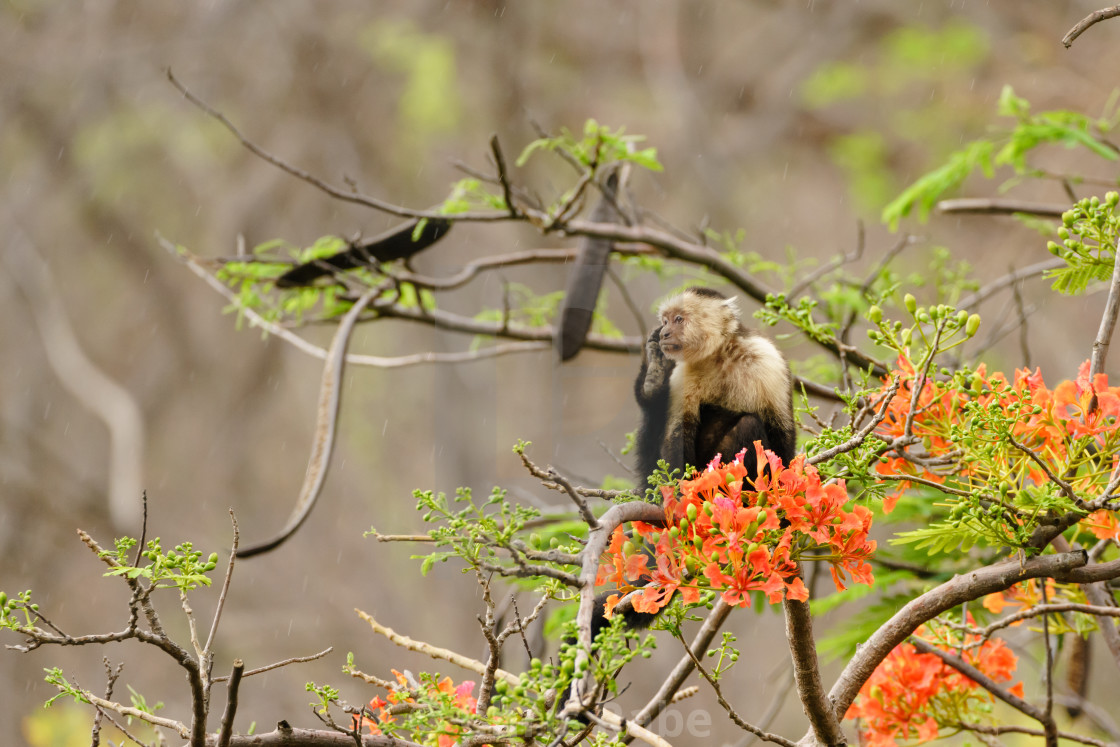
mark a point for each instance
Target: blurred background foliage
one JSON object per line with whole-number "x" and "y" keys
{"x": 781, "y": 123}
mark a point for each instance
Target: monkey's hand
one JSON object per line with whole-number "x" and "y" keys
{"x": 655, "y": 376}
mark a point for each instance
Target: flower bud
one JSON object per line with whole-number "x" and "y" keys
{"x": 875, "y": 314}
{"x": 972, "y": 325}
{"x": 911, "y": 302}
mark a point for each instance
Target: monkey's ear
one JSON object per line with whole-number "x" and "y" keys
{"x": 732, "y": 304}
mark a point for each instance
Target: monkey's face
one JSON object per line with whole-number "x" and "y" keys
{"x": 693, "y": 327}
{"x": 673, "y": 334}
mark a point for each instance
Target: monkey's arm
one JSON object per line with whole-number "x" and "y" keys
{"x": 651, "y": 390}
{"x": 397, "y": 243}
{"x": 586, "y": 279}
{"x": 652, "y": 384}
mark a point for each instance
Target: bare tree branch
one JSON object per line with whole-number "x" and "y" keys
{"x": 985, "y": 206}
{"x": 823, "y": 720}
{"x": 277, "y": 665}
{"x": 1108, "y": 320}
{"x": 998, "y": 730}
{"x": 959, "y": 589}
{"x": 335, "y": 192}
{"x": 1008, "y": 281}
{"x": 195, "y": 264}
{"x": 231, "y": 703}
{"x": 1092, "y": 19}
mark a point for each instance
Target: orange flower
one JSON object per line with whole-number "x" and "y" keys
{"x": 909, "y": 691}
{"x": 1103, "y": 524}
{"x": 721, "y": 535}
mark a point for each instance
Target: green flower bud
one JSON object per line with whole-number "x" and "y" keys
{"x": 972, "y": 325}
{"x": 875, "y": 314}
{"x": 911, "y": 303}
{"x": 691, "y": 512}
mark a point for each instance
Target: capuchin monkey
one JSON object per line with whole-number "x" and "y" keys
{"x": 397, "y": 243}
{"x": 707, "y": 386}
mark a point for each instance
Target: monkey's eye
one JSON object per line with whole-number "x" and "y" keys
{"x": 679, "y": 319}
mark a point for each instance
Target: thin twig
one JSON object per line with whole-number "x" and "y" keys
{"x": 985, "y": 206}
{"x": 1008, "y": 729}
{"x": 1067, "y": 489}
{"x": 584, "y": 510}
{"x": 335, "y": 192}
{"x": 742, "y": 724}
{"x": 1108, "y": 319}
{"x": 435, "y": 652}
{"x": 676, "y": 678}
{"x": 1085, "y": 23}
{"x": 111, "y": 677}
{"x": 277, "y": 665}
{"x": 864, "y": 432}
{"x": 503, "y": 177}
{"x": 225, "y": 582}
{"x": 773, "y": 709}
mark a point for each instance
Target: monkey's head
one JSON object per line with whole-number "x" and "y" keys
{"x": 696, "y": 323}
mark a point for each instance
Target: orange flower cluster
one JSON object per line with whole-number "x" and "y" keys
{"x": 445, "y": 692}
{"x": 910, "y": 694}
{"x": 742, "y": 538}
{"x": 1063, "y": 427}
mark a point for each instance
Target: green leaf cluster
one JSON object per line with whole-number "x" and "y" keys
{"x": 598, "y": 146}
{"x": 1007, "y": 147}
{"x": 1089, "y": 234}
{"x": 181, "y": 568}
